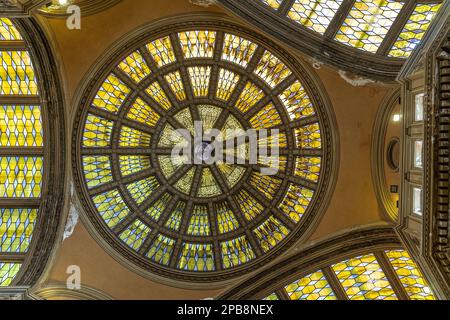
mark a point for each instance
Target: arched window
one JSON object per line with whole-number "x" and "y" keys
{"x": 201, "y": 221}
{"x": 366, "y": 264}
{"x": 26, "y": 159}
{"x": 383, "y": 32}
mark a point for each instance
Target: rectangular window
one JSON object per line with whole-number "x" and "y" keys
{"x": 418, "y": 107}
{"x": 418, "y": 154}
{"x": 417, "y": 201}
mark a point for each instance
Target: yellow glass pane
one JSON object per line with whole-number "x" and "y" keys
{"x": 132, "y": 164}
{"x": 226, "y": 220}
{"x": 97, "y": 132}
{"x": 231, "y": 173}
{"x": 174, "y": 221}
{"x": 135, "y": 234}
{"x": 267, "y": 118}
{"x": 309, "y": 137}
{"x": 156, "y": 209}
{"x": 196, "y": 257}
{"x": 16, "y": 229}
{"x": 226, "y": 84}
{"x": 275, "y": 4}
{"x": 97, "y": 170}
{"x": 314, "y": 14}
{"x": 134, "y": 138}
{"x": 200, "y": 77}
{"x": 296, "y": 202}
{"x": 199, "y": 222}
{"x": 236, "y": 252}
{"x": 312, "y": 287}
{"x": 249, "y": 97}
{"x": 142, "y": 189}
{"x": 410, "y": 276}
{"x": 198, "y": 44}
{"x": 156, "y": 92}
{"x": 185, "y": 183}
{"x": 363, "y": 279}
{"x": 176, "y": 84}
{"x": 238, "y": 50}
{"x": 267, "y": 185}
{"x": 135, "y": 67}
{"x": 208, "y": 185}
{"x": 8, "y": 31}
{"x": 161, "y": 250}
{"x": 308, "y": 168}
{"x": 270, "y": 233}
{"x": 296, "y": 101}
{"x": 21, "y": 126}
{"x": 111, "y": 207}
{"x": 17, "y": 74}
{"x": 272, "y": 70}
{"x": 162, "y": 52}
{"x": 250, "y": 207}
{"x": 8, "y": 272}
{"x": 21, "y": 177}
{"x": 414, "y": 29}
{"x": 143, "y": 113}
{"x": 368, "y": 23}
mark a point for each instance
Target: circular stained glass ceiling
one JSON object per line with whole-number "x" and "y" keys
{"x": 212, "y": 212}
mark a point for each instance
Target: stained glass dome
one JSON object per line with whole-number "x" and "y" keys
{"x": 201, "y": 221}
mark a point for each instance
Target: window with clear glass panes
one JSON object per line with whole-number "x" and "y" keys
{"x": 419, "y": 105}
{"x": 417, "y": 201}
{"x": 418, "y": 154}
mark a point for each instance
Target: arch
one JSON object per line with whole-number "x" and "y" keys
{"x": 367, "y": 263}
{"x": 32, "y": 152}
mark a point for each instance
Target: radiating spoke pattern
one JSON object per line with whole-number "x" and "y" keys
{"x": 366, "y": 24}
{"x": 363, "y": 277}
{"x": 190, "y": 211}
{"x": 22, "y": 139}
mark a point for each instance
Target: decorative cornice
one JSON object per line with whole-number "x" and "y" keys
{"x": 60, "y": 291}
{"x": 87, "y": 8}
{"x": 16, "y": 9}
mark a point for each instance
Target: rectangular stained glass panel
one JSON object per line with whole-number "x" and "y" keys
{"x": 174, "y": 220}
{"x": 157, "y": 93}
{"x": 272, "y": 70}
{"x": 368, "y": 23}
{"x": 249, "y": 206}
{"x": 226, "y": 220}
{"x": 8, "y": 272}
{"x": 410, "y": 276}
{"x": 267, "y": 118}
{"x": 161, "y": 250}
{"x": 111, "y": 207}
{"x": 414, "y": 29}
{"x": 308, "y": 168}
{"x": 296, "y": 202}
{"x": 199, "y": 222}
{"x": 21, "y": 177}
{"x": 312, "y": 287}
{"x": 156, "y": 209}
{"x": 142, "y": 189}
{"x": 236, "y": 252}
{"x": 238, "y": 50}
{"x": 314, "y": 14}
{"x": 176, "y": 84}
{"x": 363, "y": 279}
{"x": 197, "y": 44}
{"x": 135, "y": 234}
{"x": 297, "y": 102}
{"x": 17, "y": 74}
{"x": 267, "y": 185}
{"x": 135, "y": 67}
{"x": 308, "y": 137}
{"x": 251, "y": 95}
{"x": 16, "y": 229}
{"x": 227, "y": 83}
{"x": 21, "y": 126}
{"x": 8, "y": 32}
{"x": 132, "y": 138}
{"x": 200, "y": 77}
{"x": 111, "y": 95}
{"x": 143, "y": 113}
{"x": 270, "y": 233}
{"x": 133, "y": 164}
{"x": 162, "y": 52}
{"x": 97, "y": 170}
{"x": 196, "y": 257}
{"x": 97, "y": 132}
